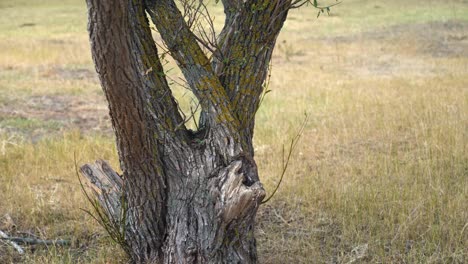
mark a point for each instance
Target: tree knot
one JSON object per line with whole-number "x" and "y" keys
{"x": 240, "y": 190}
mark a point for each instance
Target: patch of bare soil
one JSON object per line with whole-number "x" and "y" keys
{"x": 70, "y": 112}
{"x": 69, "y": 74}
{"x": 437, "y": 39}
{"x": 404, "y": 50}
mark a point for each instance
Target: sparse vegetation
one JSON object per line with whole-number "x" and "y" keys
{"x": 379, "y": 176}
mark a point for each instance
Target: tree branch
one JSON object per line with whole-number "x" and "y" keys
{"x": 193, "y": 62}
{"x": 130, "y": 43}
{"x": 34, "y": 241}
{"x": 246, "y": 45}
{"x": 12, "y": 243}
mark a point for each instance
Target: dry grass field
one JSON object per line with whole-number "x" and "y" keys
{"x": 380, "y": 174}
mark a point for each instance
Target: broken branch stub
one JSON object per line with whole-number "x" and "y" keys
{"x": 106, "y": 184}
{"x": 237, "y": 198}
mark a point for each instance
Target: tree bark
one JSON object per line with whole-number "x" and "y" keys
{"x": 184, "y": 196}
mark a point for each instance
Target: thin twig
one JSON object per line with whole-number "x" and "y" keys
{"x": 286, "y": 161}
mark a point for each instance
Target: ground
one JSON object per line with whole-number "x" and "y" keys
{"x": 379, "y": 176}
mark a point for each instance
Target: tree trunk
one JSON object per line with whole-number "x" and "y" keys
{"x": 184, "y": 196}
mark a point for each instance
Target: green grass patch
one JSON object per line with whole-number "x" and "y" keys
{"x": 27, "y": 125}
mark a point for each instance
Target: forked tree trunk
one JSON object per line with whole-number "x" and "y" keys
{"x": 184, "y": 197}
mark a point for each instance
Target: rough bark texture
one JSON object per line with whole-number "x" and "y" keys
{"x": 184, "y": 196}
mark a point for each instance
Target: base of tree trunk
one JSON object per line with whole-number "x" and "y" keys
{"x": 209, "y": 219}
